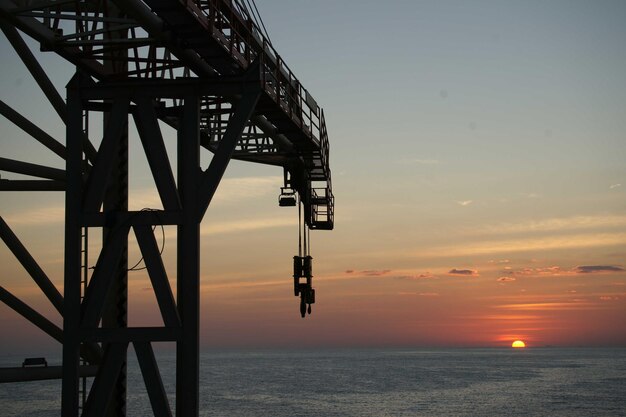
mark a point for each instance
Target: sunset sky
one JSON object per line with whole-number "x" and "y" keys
{"x": 478, "y": 151}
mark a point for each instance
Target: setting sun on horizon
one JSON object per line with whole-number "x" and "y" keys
{"x": 172, "y": 241}
{"x": 518, "y": 344}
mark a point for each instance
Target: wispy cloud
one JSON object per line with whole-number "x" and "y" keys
{"x": 463, "y": 272}
{"x": 590, "y": 269}
{"x": 553, "y": 224}
{"x": 206, "y": 286}
{"x": 403, "y": 275}
{"x": 375, "y": 272}
{"x": 464, "y": 203}
{"x": 612, "y": 186}
{"x": 500, "y": 261}
{"x": 36, "y": 217}
{"x": 538, "y": 271}
{"x": 413, "y": 277}
{"x": 235, "y": 226}
{"x": 231, "y": 190}
{"x": 553, "y": 306}
{"x": 506, "y": 279}
{"x": 245, "y": 188}
{"x": 523, "y": 245}
{"x": 420, "y": 294}
{"x": 368, "y": 272}
{"x": 511, "y": 317}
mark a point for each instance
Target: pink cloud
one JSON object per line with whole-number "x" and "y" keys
{"x": 506, "y": 279}
{"x": 376, "y": 272}
{"x": 542, "y": 271}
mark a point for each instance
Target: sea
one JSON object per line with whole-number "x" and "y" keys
{"x": 375, "y": 382}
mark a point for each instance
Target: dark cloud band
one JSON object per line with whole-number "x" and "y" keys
{"x": 589, "y": 269}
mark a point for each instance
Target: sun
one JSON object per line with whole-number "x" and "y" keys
{"x": 518, "y": 344}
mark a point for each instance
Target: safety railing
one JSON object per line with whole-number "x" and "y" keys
{"x": 322, "y": 208}
{"x": 242, "y": 39}
{"x": 244, "y": 42}
{"x": 324, "y": 146}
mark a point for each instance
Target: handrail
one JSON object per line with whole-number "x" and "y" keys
{"x": 245, "y": 42}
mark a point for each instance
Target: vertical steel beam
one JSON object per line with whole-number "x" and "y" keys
{"x": 115, "y": 314}
{"x": 106, "y": 166}
{"x": 188, "y": 261}
{"x": 102, "y": 282}
{"x": 73, "y": 197}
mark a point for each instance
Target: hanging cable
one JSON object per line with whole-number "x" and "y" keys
{"x": 304, "y": 232}
{"x": 302, "y": 264}
{"x": 251, "y": 12}
{"x": 308, "y": 231}
{"x": 267, "y": 36}
{"x": 246, "y": 6}
{"x": 247, "y": 9}
{"x": 134, "y": 267}
{"x": 299, "y": 227}
{"x": 244, "y": 9}
{"x": 241, "y": 8}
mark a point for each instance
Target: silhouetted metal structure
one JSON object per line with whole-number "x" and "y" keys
{"x": 204, "y": 68}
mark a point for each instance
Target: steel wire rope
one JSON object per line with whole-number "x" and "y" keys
{"x": 260, "y": 20}
{"x": 299, "y": 227}
{"x": 245, "y": 9}
{"x": 308, "y": 231}
{"x": 304, "y": 229}
{"x": 267, "y": 36}
{"x": 134, "y": 267}
{"x": 250, "y": 9}
{"x": 241, "y": 8}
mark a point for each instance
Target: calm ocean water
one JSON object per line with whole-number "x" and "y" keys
{"x": 377, "y": 383}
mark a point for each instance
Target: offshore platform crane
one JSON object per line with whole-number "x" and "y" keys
{"x": 207, "y": 69}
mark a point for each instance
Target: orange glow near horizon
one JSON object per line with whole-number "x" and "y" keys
{"x": 518, "y": 344}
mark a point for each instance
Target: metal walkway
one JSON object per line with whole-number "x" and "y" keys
{"x": 171, "y": 39}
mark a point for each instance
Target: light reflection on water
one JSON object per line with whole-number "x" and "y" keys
{"x": 377, "y": 383}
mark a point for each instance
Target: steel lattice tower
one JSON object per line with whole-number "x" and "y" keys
{"x": 202, "y": 67}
